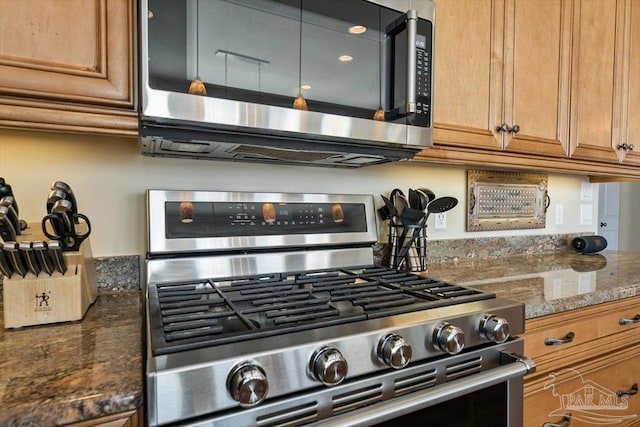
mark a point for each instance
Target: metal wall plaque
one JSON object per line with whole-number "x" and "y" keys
{"x": 506, "y": 200}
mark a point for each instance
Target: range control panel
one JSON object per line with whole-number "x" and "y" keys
{"x": 187, "y": 219}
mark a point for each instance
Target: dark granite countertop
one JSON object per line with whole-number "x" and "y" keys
{"x": 68, "y": 372}
{"x": 549, "y": 283}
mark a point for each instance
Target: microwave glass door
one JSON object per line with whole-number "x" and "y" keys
{"x": 336, "y": 53}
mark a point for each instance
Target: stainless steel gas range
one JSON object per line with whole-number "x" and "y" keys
{"x": 267, "y": 309}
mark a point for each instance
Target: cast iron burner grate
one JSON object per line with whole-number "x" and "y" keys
{"x": 217, "y": 311}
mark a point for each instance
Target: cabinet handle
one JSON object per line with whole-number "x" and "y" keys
{"x": 503, "y": 128}
{"x": 515, "y": 129}
{"x": 566, "y": 420}
{"x": 557, "y": 341}
{"x": 603, "y": 224}
{"x": 634, "y": 390}
{"x": 623, "y": 321}
{"x": 625, "y": 147}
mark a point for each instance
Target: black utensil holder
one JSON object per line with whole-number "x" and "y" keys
{"x": 408, "y": 247}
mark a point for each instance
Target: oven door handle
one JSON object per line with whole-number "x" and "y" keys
{"x": 422, "y": 399}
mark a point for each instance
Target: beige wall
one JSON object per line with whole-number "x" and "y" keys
{"x": 109, "y": 177}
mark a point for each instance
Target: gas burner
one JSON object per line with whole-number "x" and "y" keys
{"x": 225, "y": 310}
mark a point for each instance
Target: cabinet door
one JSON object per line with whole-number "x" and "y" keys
{"x": 468, "y": 88}
{"x": 67, "y": 65}
{"x": 537, "y": 71}
{"x": 588, "y": 391}
{"x": 630, "y": 129}
{"x": 596, "y": 81}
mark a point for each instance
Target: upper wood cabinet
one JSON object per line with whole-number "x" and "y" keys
{"x": 630, "y": 108}
{"x": 597, "y": 80}
{"x": 503, "y": 63}
{"x": 68, "y": 65}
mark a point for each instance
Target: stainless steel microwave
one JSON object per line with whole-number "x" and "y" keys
{"x": 342, "y": 83}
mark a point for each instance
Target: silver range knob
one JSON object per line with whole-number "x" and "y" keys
{"x": 247, "y": 383}
{"x": 328, "y": 366}
{"x": 494, "y": 328}
{"x": 448, "y": 338}
{"x": 394, "y": 351}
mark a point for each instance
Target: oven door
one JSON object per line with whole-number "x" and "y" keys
{"x": 493, "y": 399}
{"x": 481, "y": 386}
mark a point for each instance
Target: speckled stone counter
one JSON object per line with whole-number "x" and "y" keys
{"x": 549, "y": 283}
{"x": 74, "y": 371}
{"x": 65, "y": 373}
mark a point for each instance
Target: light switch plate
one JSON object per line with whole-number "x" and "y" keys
{"x": 586, "y": 215}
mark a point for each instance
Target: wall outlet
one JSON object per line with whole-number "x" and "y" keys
{"x": 441, "y": 221}
{"x": 559, "y": 214}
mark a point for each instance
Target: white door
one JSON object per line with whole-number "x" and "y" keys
{"x": 609, "y": 213}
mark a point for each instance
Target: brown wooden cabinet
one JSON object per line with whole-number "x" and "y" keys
{"x": 630, "y": 108}
{"x": 594, "y": 358}
{"x": 503, "y": 65}
{"x": 125, "y": 419}
{"x": 596, "y": 80}
{"x": 68, "y": 65}
{"x": 563, "y": 71}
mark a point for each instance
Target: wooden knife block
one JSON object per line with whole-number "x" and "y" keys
{"x": 51, "y": 299}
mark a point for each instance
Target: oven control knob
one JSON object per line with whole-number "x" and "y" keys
{"x": 448, "y": 338}
{"x": 394, "y": 351}
{"x": 494, "y": 328}
{"x": 247, "y": 383}
{"x": 328, "y": 366}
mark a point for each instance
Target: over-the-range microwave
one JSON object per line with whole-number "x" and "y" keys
{"x": 342, "y": 83}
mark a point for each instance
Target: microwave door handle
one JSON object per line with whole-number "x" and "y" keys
{"x": 412, "y": 31}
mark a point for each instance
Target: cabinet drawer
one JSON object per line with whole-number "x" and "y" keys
{"x": 589, "y": 391}
{"x": 575, "y": 328}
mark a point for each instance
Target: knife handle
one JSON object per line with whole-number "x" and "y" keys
{"x": 5, "y": 265}
{"x": 29, "y": 257}
{"x": 41, "y": 251}
{"x": 14, "y": 255}
{"x": 55, "y": 250}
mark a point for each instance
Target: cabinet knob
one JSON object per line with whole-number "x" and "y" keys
{"x": 503, "y": 128}
{"x": 603, "y": 224}
{"x": 626, "y": 147}
{"x": 515, "y": 129}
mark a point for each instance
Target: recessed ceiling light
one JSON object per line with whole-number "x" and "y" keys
{"x": 357, "y": 29}
{"x": 305, "y": 86}
{"x": 345, "y": 58}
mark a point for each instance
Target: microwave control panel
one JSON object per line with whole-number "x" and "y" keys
{"x": 424, "y": 67}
